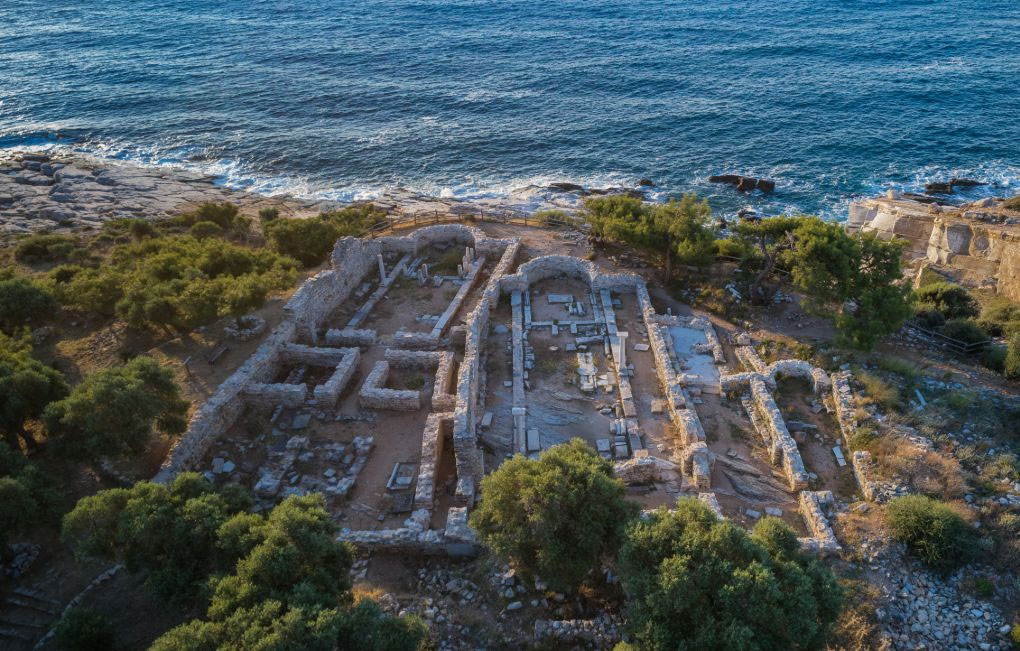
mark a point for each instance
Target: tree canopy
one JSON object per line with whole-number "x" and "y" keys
{"x": 24, "y": 302}
{"x": 858, "y": 277}
{"x": 695, "y": 582}
{"x": 176, "y": 281}
{"x": 558, "y": 516}
{"x": 26, "y": 496}
{"x": 279, "y": 581}
{"x": 26, "y": 387}
{"x": 116, "y": 411}
{"x": 677, "y": 231}
{"x": 311, "y": 240}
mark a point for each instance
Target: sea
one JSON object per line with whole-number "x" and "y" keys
{"x": 348, "y": 99}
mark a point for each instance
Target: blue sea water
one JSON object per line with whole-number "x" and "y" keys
{"x": 344, "y": 99}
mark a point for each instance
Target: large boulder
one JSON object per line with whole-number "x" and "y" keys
{"x": 744, "y": 183}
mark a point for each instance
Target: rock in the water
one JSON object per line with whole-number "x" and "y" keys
{"x": 646, "y": 183}
{"x": 566, "y": 187}
{"x": 938, "y": 188}
{"x": 965, "y": 183}
{"x": 744, "y": 183}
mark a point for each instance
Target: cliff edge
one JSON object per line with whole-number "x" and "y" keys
{"x": 978, "y": 244}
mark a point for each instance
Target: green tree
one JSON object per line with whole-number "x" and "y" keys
{"x": 769, "y": 240}
{"x": 307, "y": 240}
{"x": 558, "y": 516}
{"x": 23, "y": 302}
{"x": 26, "y": 496}
{"x": 279, "y": 581}
{"x": 116, "y": 411}
{"x": 26, "y": 387}
{"x": 82, "y": 629}
{"x": 678, "y": 231}
{"x": 953, "y": 301}
{"x": 686, "y": 232}
{"x": 695, "y": 582}
{"x": 932, "y": 530}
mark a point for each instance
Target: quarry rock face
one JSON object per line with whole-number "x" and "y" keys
{"x": 977, "y": 247}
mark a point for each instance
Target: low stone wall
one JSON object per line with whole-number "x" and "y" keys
{"x": 328, "y": 393}
{"x": 374, "y": 395}
{"x": 312, "y": 355}
{"x": 783, "y": 448}
{"x": 711, "y": 345}
{"x": 696, "y": 460}
{"x": 799, "y": 368}
{"x": 812, "y": 506}
{"x": 860, "y": 460}
{"x": 268, "y": 396}
{"x": 643, "y": 470}
{"x": 441, "y": 360}
{"x": 223, "y": 408}
{"x": 845, "y": 404}
{"x": 738, "y": 381}
{"x": 458, "y": 300}
{"x": 350, "y": 337}
{"x": 431, "y": 451}
{"x": 710, "y": 500}
{"x": 457, "y": 539}
{"x": 750, "y": 358}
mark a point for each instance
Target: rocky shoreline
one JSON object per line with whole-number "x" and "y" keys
{"x": 51, "y": 191}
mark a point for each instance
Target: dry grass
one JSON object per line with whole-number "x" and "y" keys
{"x": 857, "y": 628}
{"x": 878, "y": 391}
{"x": 928, "y": 473}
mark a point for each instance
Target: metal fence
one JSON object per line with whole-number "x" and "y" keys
{"x": 962, "y": 347}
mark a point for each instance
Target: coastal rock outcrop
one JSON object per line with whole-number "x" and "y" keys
{"x": 744, "y": 183}
{"x": 976, "y": 246}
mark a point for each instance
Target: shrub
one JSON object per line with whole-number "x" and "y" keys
{"x": 82, "y": 629}
{"x": 932, "y": 530}
{"x": 952, "y": 300}
{"x": 965, "y": 331}
{"x": 1011, "y": 362}
{"x": 931, "y": 319}
{"x": 203, "y": 230}
{"x": 984, "y": 587}
{"x": 307, "y": 240}
{"x": 268, "y": 214}
{"x": 1015, "y": 633}
{"x": 44, "y": 247}
{"x": 696, "y": 582}
{"x": 994, "y": 357}
{"x": 23, "y": 301}
{"x": 558, "y": 516}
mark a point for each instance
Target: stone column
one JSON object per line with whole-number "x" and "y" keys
{"x": 621, "y": 363}
{"x": 382, "y": 269}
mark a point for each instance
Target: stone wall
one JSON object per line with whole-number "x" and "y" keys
{"x": 783, "y": 448}
{"x": 431, "y": 452}
{"x": 554, "y": 266}
{"x": 268, "y": 396}
{"x": 374, "y": 394}
{"x": 710, "y": 500}
{"x": 222, "y": 409}
{"x": 441, "y": 360}
{"x": 350, "y": 337}
{"x": 457, "y": 539}
{"x": 696, "y": 459}
{"x": 451, "y": 310}
{"x": 812, "y": 506}
{"x": 313, "y": 355}
{"x": 799, "y": 368}
{"x": 750, "y": 359}
{"x": 327, "y": 393}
